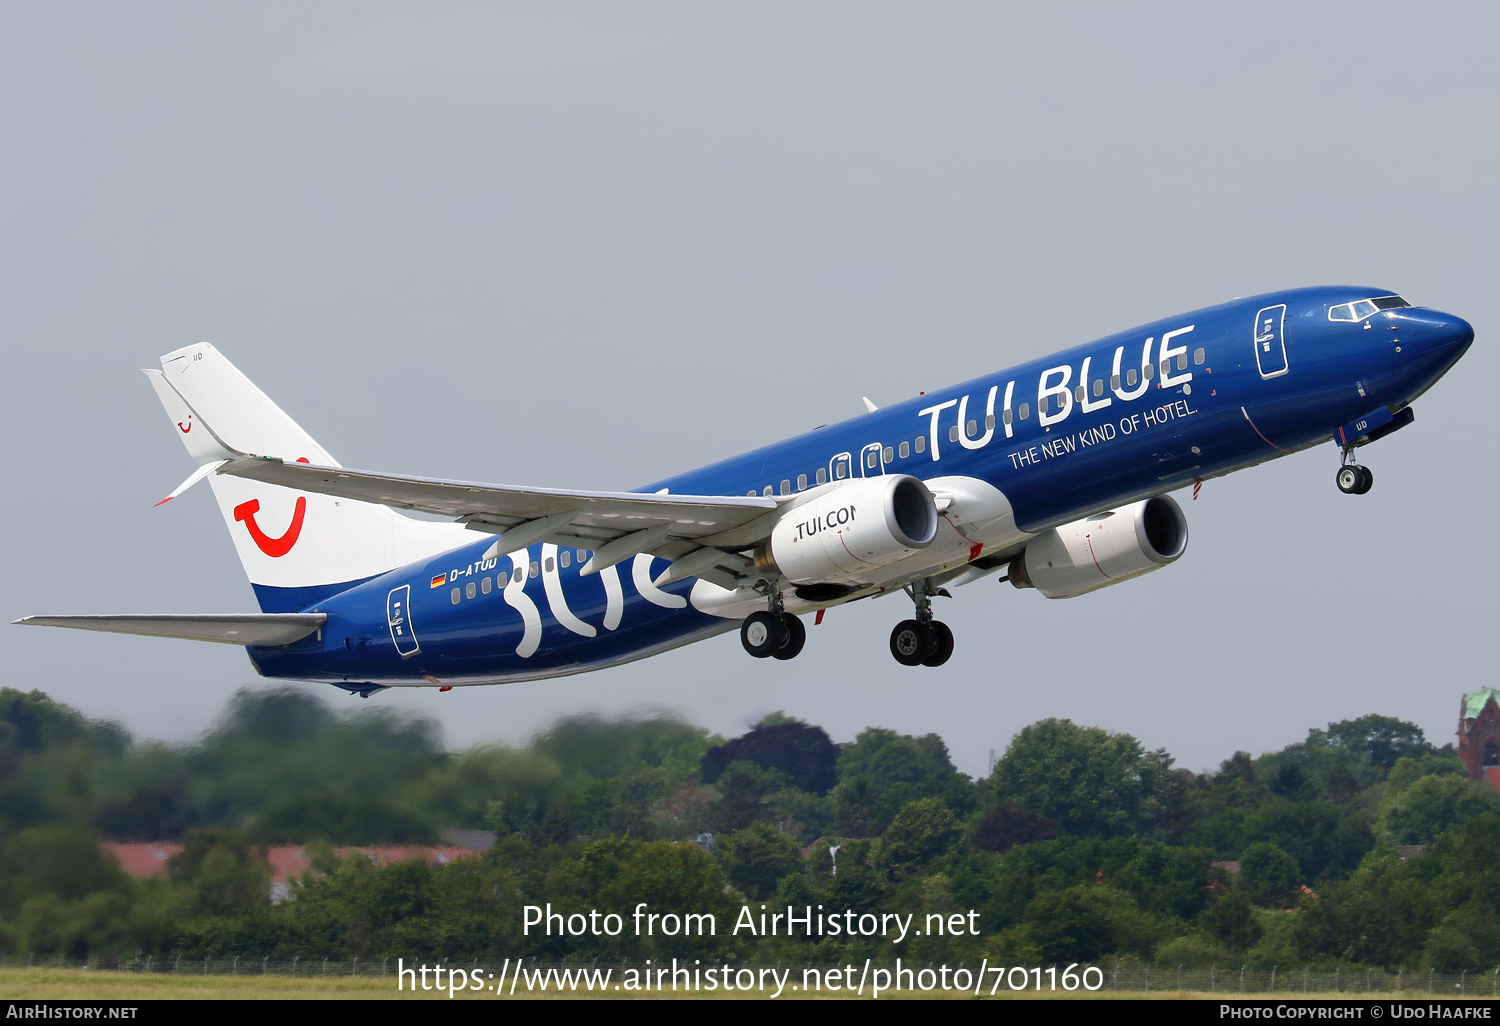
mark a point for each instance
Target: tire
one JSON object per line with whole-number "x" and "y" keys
{"x": 1349, "y": 478}
{"x": 910, "y": 642}
{"x": 796, "y": 637}
{"x": 762, "y": 634}
{"x": 942, "y": 644}
{"x": 1367, "y": 482}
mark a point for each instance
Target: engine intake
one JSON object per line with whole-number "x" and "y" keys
{"x": 1103, "y": 549}
{"x": 845, "y": 533}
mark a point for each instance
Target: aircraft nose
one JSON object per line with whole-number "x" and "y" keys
{"x": 1433, "y": 332}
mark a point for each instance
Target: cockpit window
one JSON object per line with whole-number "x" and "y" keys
{"x": 1362, "y": 308}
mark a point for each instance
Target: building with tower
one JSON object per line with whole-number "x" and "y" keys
{"x": 1479, "y": 735}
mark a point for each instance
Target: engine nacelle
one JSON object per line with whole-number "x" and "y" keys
{"x": 1103, "y": 549}
{"x": 849, "y": 531}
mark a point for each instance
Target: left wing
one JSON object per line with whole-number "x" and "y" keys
{"x": 613, "y": 525}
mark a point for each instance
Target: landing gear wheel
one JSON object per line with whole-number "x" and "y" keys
{"x": 1368, "y": 483}
{"x": 942, "y": 644}
{"x": 1351, "y": 477}
{"x": 796, "y": 637}
{"x": 910, "y": 642}
{"x": 762, "y": 634}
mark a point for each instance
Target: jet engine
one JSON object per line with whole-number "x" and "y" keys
{"x": 849, "y": 531}
{"x": 1103, "y": 549}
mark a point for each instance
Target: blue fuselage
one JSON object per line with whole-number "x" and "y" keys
{"x": 1095, "y": 427}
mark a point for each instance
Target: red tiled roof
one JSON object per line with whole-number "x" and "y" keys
{"x": 287, "y": 861}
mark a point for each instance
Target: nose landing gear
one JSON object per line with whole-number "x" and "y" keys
{"x": 922, "y": 641}
{"x": 1352, "y": 478}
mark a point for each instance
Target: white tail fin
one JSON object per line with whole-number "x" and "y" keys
{"x": 296, "y": 547}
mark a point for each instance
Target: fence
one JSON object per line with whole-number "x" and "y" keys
{"x": 1226, "y": 981}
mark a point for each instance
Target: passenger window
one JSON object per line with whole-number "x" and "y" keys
{"x": 521, "y": 572}
{"x": 485, "y": 585}
{"x": 1007, "y": 417}
{"x": 1025, "y": 410}
{"x": 532, "y": 570}
{"x": 1043, "y": 405}
{"x": 801, "y": 481}
{"x": 1114, "y": 381}
{"x": 1198, "y": 356}
{"x": 551, "y": 565}
{"x": 989, "y": 421}
{"x": 502, "y": 580}
{"x": 920, "y": 443}
{"x": 455, "y": 596}
{"x": 786, "y": 486}
{"x": 1099, "y": 387}
{"x": 905, "y": 449}
{"x": 1079, "y": 393}
{"x": 1148, "y": 372}
{"x": 767, "y": 492}
{"x": 565, "y": 558}
{"x": 953, "y": 433}
{"x": 1130, "y": 378}
{"x": 838, "y": 471}
{"x": 1166, "y": 368}
{"x": 751, "y": 492}
{"x": 870, "y": 458}
{"x": 822, "y": 476}
{"x": 1182, "y": 361}
{"x": 888, "y": 454}
{"x": 973, "y": 429}
{"x": 470, "y": 591}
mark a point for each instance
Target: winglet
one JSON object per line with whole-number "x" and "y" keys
{"x": 197, "y": 475}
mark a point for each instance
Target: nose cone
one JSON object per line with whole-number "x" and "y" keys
{"x": 1431, "y": 343}
{"x": 1431, "y": 333}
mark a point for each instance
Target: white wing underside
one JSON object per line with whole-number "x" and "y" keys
{"x": 668, "y": 526}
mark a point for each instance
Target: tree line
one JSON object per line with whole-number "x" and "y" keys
{"x": 1081, "y": 845}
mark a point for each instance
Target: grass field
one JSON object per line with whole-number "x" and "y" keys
{"x": 93, "y": 985}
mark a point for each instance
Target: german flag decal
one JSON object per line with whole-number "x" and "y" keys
{"x": 439, "y": 580}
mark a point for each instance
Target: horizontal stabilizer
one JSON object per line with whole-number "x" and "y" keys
{"x": 259, "y": 629}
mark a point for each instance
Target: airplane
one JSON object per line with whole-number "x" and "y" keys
{"x": 1053, "y": 474}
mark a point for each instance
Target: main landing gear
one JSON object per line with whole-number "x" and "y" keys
{"x": 922, "y": 641}
{"x": 774, "y": 632}
{"x": 1353, "y": 479}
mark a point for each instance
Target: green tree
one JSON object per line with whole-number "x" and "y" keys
{"x": 922, "y": 831}
{"x": 1381, "y": 739}
{"x": 1084, "y": 923}
{"x": 881, "y": 770}
{"x": 1269, "y": 875}
{"x": 226, "y": 873}
{"x": 62, "y": 862}
{"x": 1432, "y": 805}
{"x": 1087, "y": 780}
{"x": 1232, "y": 920}
{"x": 746, "y": 791}
{"x": 757, "y": 857}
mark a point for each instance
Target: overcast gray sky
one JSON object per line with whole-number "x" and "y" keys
{"x": 592, "y": 245}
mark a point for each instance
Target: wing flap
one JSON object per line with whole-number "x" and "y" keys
{"x": 259, "y": 629}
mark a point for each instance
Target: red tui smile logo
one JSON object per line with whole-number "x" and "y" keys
{"x": 273, "y": 547}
